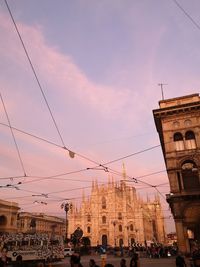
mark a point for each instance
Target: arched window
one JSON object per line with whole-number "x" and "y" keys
{"x": 190, "y": 140}
{"x": 178, "y": 139}
{"x": 190, "y": 176}
{"x": 104, "y": 219}
{"x": 120, "y": 228}
{"x": 103, "y": 203}
{"x": 88, "y": 229}
{"x": 131, "y": 227}
{"x": 120, "y": 216}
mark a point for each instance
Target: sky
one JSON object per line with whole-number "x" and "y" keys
{"x": 98, "y": 64}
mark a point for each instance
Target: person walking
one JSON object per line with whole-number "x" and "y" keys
{"x": 75, "y": 260}
{"x": 122, "y": 262}
{"x": 4, "y": 259}
{"x": 135, "y": 261}
{"x": 180, "y": 261}
{"x": 92, "y": 263}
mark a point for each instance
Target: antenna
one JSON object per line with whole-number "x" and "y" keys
{"x": 161, "y": 87}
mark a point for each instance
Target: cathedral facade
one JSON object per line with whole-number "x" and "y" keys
{"x": 115, "y": 215}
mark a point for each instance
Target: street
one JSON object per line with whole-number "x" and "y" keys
{"x": 144, "y": 262}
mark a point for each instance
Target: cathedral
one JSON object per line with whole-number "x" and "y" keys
{"x": 115, "y": 215}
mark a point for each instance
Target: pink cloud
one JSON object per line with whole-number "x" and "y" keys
{"x": 59, "y": 70}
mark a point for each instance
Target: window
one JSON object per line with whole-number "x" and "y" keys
{"x": 120, "y": 216}
{"x": 104, "y": 219}
{"x": 3, "y": 220}
{"x": 190, "y": 140}
{"x": 89, "y": 218}
{"x": 88, "y": 229}
{"x": 120, "y": 228}
{"x": 190, "y": 176}
{"x": 131, "y": 227}
{"x": 103, "y": 203}
{"x": 12, "y": 220}
{"x": 178, "y": 139}
{"x": 179, "y": 181}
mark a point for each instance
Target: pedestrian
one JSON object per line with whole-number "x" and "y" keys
{"x": 135, "y": 260}
{"x": 92, "y": 263}
{"x": 121, "y": 250}
{"x": 122, "y": 262}
{"x": 75, "y": 260}
{"x": 108, "y": 265}
{"x": 180, "y": 261}
{"x": 4, "y": 259}
{"x": 19, "y": 262}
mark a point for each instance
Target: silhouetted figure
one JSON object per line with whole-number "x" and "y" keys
{"x": 75, "y": 260}
{"x": 180, "y": 261}
{"x": 92, "y": 263}
{"x": 4, "y": 260}
{"x": 19, "y": 262}
{"x": 134, "y": 260}
{"x": 122, "y": 262}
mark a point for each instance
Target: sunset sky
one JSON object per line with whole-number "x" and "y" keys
{"x": 99, "y": 64}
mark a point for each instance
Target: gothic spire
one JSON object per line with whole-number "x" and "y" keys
{"x": 124, "y": 171}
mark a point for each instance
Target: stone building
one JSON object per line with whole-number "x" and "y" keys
{"x": 115, "y": 215}
{"x": 40, "y": 223}
{"x": 14, "y": 221}
{"x": 178, "y": 124}
{"x": 8, "y": 216}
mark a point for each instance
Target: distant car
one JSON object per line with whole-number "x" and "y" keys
{"x": 68, "y": 251}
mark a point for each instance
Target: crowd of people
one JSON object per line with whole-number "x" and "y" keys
{"x": 153, "y": 251}
{"x": 75, "y": 261}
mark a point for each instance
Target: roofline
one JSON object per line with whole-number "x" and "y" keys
{"x": 177, "y": 98}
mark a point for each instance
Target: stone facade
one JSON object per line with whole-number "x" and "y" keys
{"x": 115, "y": 215}
{"x": 178, "y": 124}
{"x": 40, "y": 223}
{"x": 8, "y": 216}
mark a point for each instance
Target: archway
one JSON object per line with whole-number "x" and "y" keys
{"x": 192, "y": 222}
{"x": 121, "y": 242}
{"x": 104, "y": 240}
{"x": 190, "y": 176}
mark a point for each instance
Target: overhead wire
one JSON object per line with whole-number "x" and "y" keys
{"x": 74, "y": 189}
{"x": 130, "y": 155}
{"x": 82, "y": 156}
{"x": 49, "y": 195}
{"x": 102, "y": 165}
{"x": 52, "y": 116}
{"x": 31, "y": 135}
{"x": 35, "y": 74}
{"x": 13, "y": 136}
{"x": 187, "y": 14}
